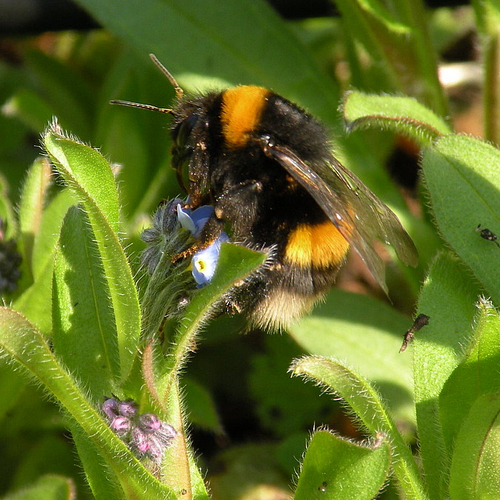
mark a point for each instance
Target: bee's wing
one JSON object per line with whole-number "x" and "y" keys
{"x": 357, "y": 213}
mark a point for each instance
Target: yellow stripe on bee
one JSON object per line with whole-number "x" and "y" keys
{"x": 319, "y": 245}
{"x": 241, "y": 111}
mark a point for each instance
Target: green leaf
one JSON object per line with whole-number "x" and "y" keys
{"x": 49, "y": 487}
{"x": 25, "y": 347}
{"x": 235, "y": 263}
{"x": 448, "y": 298}
{"x": 366, "y": 403}
{"x": 378, "y": 11}
{"x": 229, "y": 43}
{"x": 333, "y": 466}
{"x": 200, "y": 406}
{"x": 43, "y": 235}
{"x": 89, "y": 176}
{"x": 40, "y": 221}
{"x": 84, "y": 335}
{"x": 476, "y": 375}
{"x": 94, "y": 466}
{"x": 32, "y": 203}
{"x": 86, "y": 171}
{"x": 476, "y": 458}
{"x": 402, "y": 115}
{"x": 462, "y": 175}
{"x": 45, "y": 242}
{"x": 6, "y": 209}
{"x": 367, "y": 334}
{"x": 35, "y": 302}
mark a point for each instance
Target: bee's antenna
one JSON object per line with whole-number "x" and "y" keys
{"x": 178, "y": 91}
{"x": 139, "y": 105}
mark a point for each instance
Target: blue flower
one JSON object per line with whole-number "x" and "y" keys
{"x": 195, "y": 220}
{"x": 205, "y": 261}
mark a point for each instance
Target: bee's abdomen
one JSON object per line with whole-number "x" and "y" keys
{"x": 319, "y": 246}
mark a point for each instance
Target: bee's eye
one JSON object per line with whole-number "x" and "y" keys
{"x": 182, "y": 132}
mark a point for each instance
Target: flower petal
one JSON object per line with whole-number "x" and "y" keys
{"x": 200, "y": 217}
{"x": 205, "y": 261}
{"x": 185, "y": 220}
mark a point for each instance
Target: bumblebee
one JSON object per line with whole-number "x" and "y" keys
{"x": 266, "y": 167}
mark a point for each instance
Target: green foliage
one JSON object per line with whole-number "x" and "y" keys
{"x": 89, "y": 176}
{"x": 49, "y": 487}
{"x": 367, "y": 405}
{"x": 85, "y": 323}
{"x": 465, "y": 172}
{"x": 371, "y": 340}
{"x": 334, "y": 465}
{"x": 393, "y": 113}
{"x": 448, "y": 298}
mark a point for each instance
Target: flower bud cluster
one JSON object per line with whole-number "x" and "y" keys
{"x": 144, "y": 433}
{"x": 163, "y": 238}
